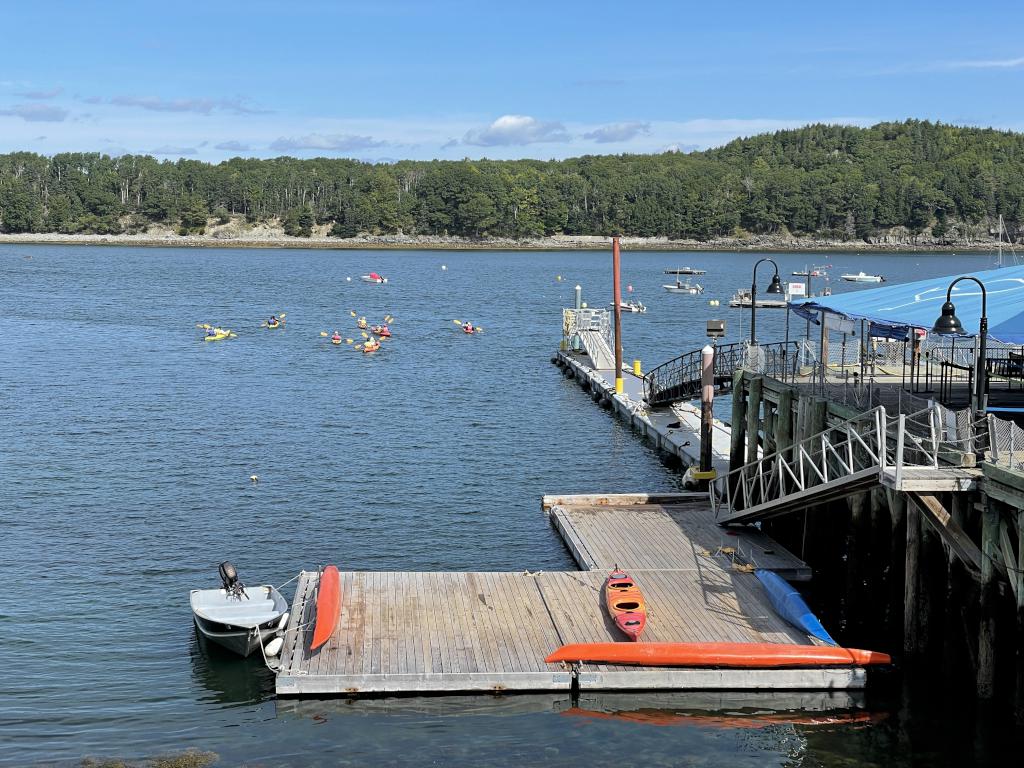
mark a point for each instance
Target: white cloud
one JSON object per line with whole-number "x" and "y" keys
{"x": 37, "y": 113}
{"x": 615, "y": 132}
{"x": 48, "y": 94}
{"x": 232, "y": 146}
{"x": 509, "y": 130}
{"x": 344, "y": 142}
{"x": 985, "y": 64}
{"x": 168, "y": 149}
{"x": 199, "y": 106}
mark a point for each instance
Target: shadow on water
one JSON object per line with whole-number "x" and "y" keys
{"x": 228, "y": 678}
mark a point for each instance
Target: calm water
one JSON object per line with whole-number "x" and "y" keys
{"x": 127, "y": 444}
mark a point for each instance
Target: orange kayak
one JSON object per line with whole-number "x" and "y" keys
{"x": 328, "y": 606}
{"x": 625, "y": 603}
{"x": 741, "y": 655}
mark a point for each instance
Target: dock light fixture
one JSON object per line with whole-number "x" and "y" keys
{"x": 949, "y": 323}
{"x": 774, "y": 288}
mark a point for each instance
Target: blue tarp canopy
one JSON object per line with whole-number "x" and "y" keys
{"x": 894, "y": 309}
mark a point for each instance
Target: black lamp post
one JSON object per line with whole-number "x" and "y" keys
{"x": 774, "y": 288}
{"x": 949, "y": 323}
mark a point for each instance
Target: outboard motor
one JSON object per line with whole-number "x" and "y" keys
{"x": 229, "y": 578}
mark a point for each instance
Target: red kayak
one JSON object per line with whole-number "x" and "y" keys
{"x": 742, "y": 655}
{"x": 625, "y": 603}
{"x": 328, "y": 606}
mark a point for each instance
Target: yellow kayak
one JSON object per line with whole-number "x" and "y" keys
{"x": 274, "y": 325}
{"x": 218, "y": 336}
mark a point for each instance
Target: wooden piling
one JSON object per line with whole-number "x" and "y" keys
{"x": 911, "y": 638}
{"x": 988, "y": 599}
{"x": 739, "y": 422}
{"x": 754, "y": 417}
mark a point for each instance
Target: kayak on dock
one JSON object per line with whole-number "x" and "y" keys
{"x": 625, "y": 603}
{"x": 328, "y": 606}
{"x": 733, "y": 655}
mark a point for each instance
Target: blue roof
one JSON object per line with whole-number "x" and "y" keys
{"x": 896, "y": 308}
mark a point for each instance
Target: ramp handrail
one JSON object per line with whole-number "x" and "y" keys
{"x": 871, "y": 441}
{"x": 679, "y": 378}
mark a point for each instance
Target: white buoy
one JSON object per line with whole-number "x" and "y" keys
{"x": 444, "y": 267}
{"x": 274, "y": 647}
{"x": 283, "y": 621}
{"x": 348, "y": 279}
{"x": 583, "y": 305}
{"x": 254, "y": 478}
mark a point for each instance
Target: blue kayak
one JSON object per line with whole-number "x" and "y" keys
{"x": 790, "y": 605}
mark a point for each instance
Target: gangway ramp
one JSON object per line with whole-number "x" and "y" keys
{"x": 869, "y": 450}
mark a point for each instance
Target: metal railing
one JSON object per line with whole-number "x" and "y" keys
{"x": 832, "y": 460}
{"x": 576, "y": 320}
{"x": 680, "y": 378}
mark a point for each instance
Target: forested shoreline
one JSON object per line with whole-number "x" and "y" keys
{"x": 837, "y": 183}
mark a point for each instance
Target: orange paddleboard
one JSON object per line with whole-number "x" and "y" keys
{"x": 748, "y": 655}
{"x": 328, "y": 606}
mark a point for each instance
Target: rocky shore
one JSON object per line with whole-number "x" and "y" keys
{"x": 240, "y": 235}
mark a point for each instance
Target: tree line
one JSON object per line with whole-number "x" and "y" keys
{"x": 822, "y": 180}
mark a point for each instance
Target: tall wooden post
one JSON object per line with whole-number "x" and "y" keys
{"x": 754, "y": 417}
{"x": 987, "y": 620}
{"x": 707, "y": 400}
{"x": 738, "y": 427}
{"x": 911, "y": 640}
{"x": 617, "y": 298}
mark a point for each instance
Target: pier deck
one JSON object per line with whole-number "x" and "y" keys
{"x": 459, "y": 632}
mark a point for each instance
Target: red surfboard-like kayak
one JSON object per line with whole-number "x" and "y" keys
{"x": 742, "y": 655}
{"x": 328, "y": 606}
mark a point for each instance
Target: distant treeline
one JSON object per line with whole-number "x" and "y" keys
{"x": 831, "y": 181}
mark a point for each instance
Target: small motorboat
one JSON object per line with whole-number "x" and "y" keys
{"x": 684, "y": 287}
{"x": 812, "y": 272}
{"x": 373, "y": 277}
{"x": 630, "y": 306}
{"x": 860, "y": 277}
{"x": 685, "y": 271}
{"x": 381, "y": 330}
{"x": 625, "y": 603}
{"x": 238, "y": 619}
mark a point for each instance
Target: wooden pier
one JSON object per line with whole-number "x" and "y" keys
{"x": 486, "y": 632}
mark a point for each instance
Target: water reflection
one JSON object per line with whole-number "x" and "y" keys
{"x": 226, "y": 677}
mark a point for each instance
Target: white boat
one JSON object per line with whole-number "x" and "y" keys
{"x": 685, "y": 271}
{"x": 373, "y": 277}
{"x": 631, "y": 306}
{"x": 684, "y": 287}
{"x": 861, "y": 277}
{"x": 812, "y": 272}
{"x": 768, "y": 301}
{"x": 238, "y": 619}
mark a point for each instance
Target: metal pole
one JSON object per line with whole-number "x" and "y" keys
{"x": 707, "y": 397}
{"x": 617, "y": 297}
{"x": 579, "y": 305}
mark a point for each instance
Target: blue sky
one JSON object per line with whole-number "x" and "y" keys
{"x": 388, "y": 80}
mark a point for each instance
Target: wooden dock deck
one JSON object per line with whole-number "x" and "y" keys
{"x": 486, "y": 632}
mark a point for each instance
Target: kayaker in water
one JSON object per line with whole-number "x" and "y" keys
{"x": 211, "y": 332}
{"x": 336, "y": 336}
{"x": 272, "y": 320}
{"x": 467, "y": 327}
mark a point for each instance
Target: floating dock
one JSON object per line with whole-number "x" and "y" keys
{"x": 402, "y": 633}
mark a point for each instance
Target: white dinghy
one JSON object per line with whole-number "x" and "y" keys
{"x": 238, "y": 619}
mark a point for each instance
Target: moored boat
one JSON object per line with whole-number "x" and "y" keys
{"x": 861, "y": 277}
{"x": 685, "y": 271}
{"x": 328, "y": 606}
{"x": 373, "y": 277}
{"x": 684, "y": 287}
{"x": 235, "y": 618}
{"x": 630, "y": 306}
{"x": 733, "y": 655}
{"x": 625, "y": 603}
